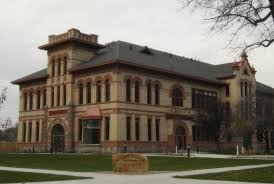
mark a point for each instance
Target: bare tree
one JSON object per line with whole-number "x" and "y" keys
{"x": 249, "y": 22}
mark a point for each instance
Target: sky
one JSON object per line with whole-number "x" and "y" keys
{"x": 158, "y": 24}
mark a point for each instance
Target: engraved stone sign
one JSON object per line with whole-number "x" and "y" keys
{"x": 129, "y": 163}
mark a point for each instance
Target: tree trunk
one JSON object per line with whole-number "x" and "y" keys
{"x": 271, "y": 2}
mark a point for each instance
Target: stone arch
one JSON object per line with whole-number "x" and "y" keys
{"x": 174, "y": 86}
{"x": 157, "y": 82}
{"x": 55, "y": 122}
{"x": 127, "y": 77}
{"x": 98, "y": 78}
{"x": 147, "y": 81}
{"x": 138, "y": 79}
{"x": 108, "y": 77}
{"x": 88, "y": 80}
{"x": 181, "y": 134}
{"x": 80, "y": 81}
{"x": 52, "y": 58}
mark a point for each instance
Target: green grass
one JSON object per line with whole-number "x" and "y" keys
{"x": 262, "y": 175}
{"x": 22, "y": 177}
{"x": 85, "y": 163}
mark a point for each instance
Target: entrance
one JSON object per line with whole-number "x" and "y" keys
{"x": 58, "y": 138}
{"x": 180, "y": 138}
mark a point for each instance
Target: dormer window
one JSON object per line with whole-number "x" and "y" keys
{"x": 147, "y": 51}
{"x": 245, "y": 72}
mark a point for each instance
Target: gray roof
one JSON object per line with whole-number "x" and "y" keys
{"x": 37, "y": 75}
{"x": 260, "y": 87}
{"x": 146, "y": 57}
{"x": 136, "y": 55}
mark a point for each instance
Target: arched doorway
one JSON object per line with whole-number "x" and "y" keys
{"x": 272, "y": 140}
{"x": 180, "y": 138}
{"x": 58, "y": 138}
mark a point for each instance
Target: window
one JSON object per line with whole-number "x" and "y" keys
{"x": 91, "y": 131}
{"x": 58, "y": 95}
{"x": 128, "y": 90}
{"x": 24, "y": 132}
{"x": 30, "y": 132}
{"x": 249, "y": 90}
{"x": 25, "y": 101}
{"x": 157, "y": 129}
{"x": 64, "y": 95}
{"x": 44, "y": 97}
{"x": 227, "y": 91}
{"x": 37, "y": 131}
{"x": 202, "y": 99}
{"x": 107, "y": 128}
{"x": 38, "y": 100}
{"x": 137, "y": 129}
{"x": 242, "y": 89}
{"x": 137, "y": 91}
{"x": 81, "y": 94}
{"x": 52, "y": 96}
{"x": 128, "y": 128}
{"x": 80, "y": 129}
{"x": 177, "y": 97}
{"x": 30, "y": 100}
{"x": 245, "y": 88}
{"x": 200, "y": 133}
{"x": 107, "y": 90}
{"x": 149, "y": 93}
{"x": 53, "y": 68}
{"x": 149, "y": 136}
{"x": 157, "y": 94}
{"x": 59, "y": 66}
{"x": 99, "y": 91}
{"x": 89, "y": 92}
{"x": 65, "y": 65}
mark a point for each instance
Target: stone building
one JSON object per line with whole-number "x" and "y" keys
{"x": 94, "y": 97}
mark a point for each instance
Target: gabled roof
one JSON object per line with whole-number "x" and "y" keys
{"x": 260, "y": 87}
{"x": 42, "y": 74}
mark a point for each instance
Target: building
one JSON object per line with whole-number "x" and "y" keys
{"x": 100, "y": 98}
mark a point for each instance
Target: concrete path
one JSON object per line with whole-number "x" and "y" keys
{"x": 154, "y": 178}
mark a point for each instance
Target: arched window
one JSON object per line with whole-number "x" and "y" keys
{"x": 157, "y": 94}
{"x": 99, "y": 91}
{"x": 149, "y": 93}
{"x": 177, "y": 97}
{"x": 38, "y": 100}
{"x": 107, "y": 90}
{"x": 89, "y": 92}
{"x": 59, "y": 66}
{"x": 30, "y": 100}
{"x": 25, "y": 101}
{"x": 128, "y": 90}
{"x": 65, "y": 65}
{"x": 52, "y": 67}
{"x": 137, "y": 91}
{"x": 81, "y": 94}
{"x": 44, "y": 97}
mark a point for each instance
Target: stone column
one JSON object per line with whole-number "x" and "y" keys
{"x": 153, "y": 128}
{"x": 84, "y": 94}
{"x": 133, "y": 137}
{"x": 28, "y": 104}
{"x": 93, "y": 93}
{"x": 103, "y": 91}
{"x": 21, "y": 103}
{"x": 56, "y": 67}
{"x": 20, "y": 132}
{"x": 152, "y": 94}
{"x": 55, "y": 96}
{"x": 143, "y": 128}
{"x": 41, "y": 99}
{"x": 69, "y": 146}
{"x": 33, "y": 130}
{"x": 27, "y": 132}
{"x": 40, "y": 130}
{"x": 61, "y": 95}
{"x": 34, "y": 105}
{"x": 62, "y": 66}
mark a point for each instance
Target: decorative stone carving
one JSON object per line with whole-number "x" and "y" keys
{"x": 130, "y": 163}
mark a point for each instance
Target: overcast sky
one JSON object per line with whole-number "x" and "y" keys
{"x": 159, "y": 24}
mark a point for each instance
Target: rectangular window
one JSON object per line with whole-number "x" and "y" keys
{"x": 64, "y": 95}
{"x": 107, "y": 128}
{"x": 37, "y": 131}
{"x": 245, "y": 88}
{"x": 137, "y": 129}
{"x": 128, "y": 128}
{"x": 149, "y": 136}
{"x": 227, "y": 91}
{"x": 58, "y": 95}
{"x": 25, "y": 101}
{"x": 157, "y": 129}
{"x": 91, "y": 131}
{"x": 157, "y": 94}
{"x": 24, "y": 132}
{"x": 38, "y": 100}
{"x": 30, "y": 132}
{"x": 80, "y": 129}
{"x": 249, "y": 90}
{"x": 149, "y": 93}
{"x": 204, "y": 99}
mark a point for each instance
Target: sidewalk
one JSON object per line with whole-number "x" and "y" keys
{"x": 156, "y": 178}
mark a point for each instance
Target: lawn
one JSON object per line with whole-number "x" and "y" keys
{"x": 22, "y": 177}
{"x": 262, "y": 175}
{"x": 85, "y": 163}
